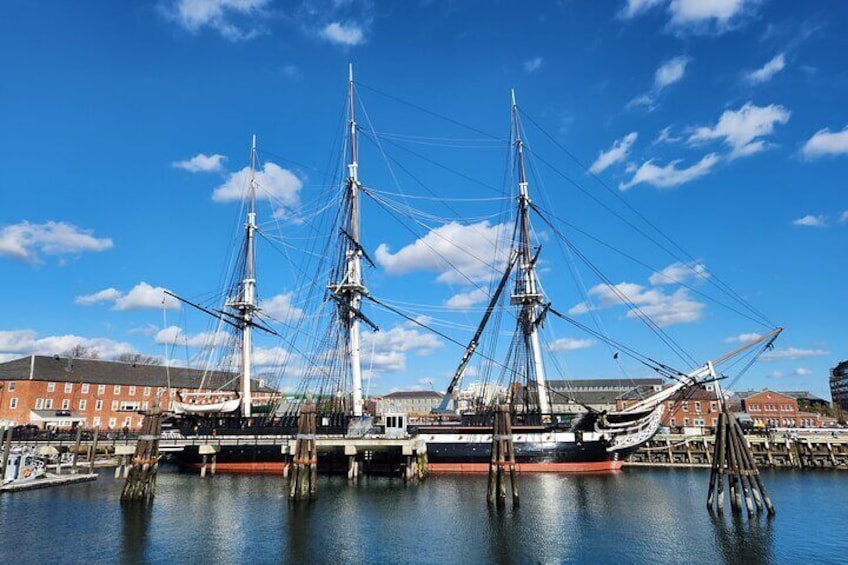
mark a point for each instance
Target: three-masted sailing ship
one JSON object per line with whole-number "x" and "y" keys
{"x": 457, "y": 440}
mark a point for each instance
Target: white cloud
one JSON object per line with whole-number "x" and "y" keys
{"x": 695, "y": 16}
{"x": 664, "y": 309}
{"x": 571, "y": 344}
{"x": 844, "y": 216}
{"x": 742, "y": 129}
{"x": 192, "y": 15}
{"x": 743, "y": 338}
{"x": 665, "y": 136}
{"x": 680, "y": 273}
{"x": 173, "y": 335}
{"x": 533, "y": 65}
{"x": 280, "y": 308}
{"x": 202, "y": 163}
{"x": 278, "y": 185}
{"x": 460, "y": 252}
{"x": 670, "y": 72}
{"x": 385, "y": 351}
{"x": 791, "y": 353}
{"x": 343, "y": 33}
{"x": 17, "y": 343}
{"x": 465, "y": 300}
{"x": 107, "y": 295}
{"x": 618, "y": 152}
{"x": 767, "y": 71}
{"x": 802, "y": 372}
{"x": 670, "y": 176}
{"x": 824, "y": 143}
{"x": 811, "y": 221}
{"x": 26, "y": 241}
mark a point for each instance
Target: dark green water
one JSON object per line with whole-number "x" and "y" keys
{"x": 635, "y": 516}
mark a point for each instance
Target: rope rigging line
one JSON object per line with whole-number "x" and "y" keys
{"x": 688, "y": 258}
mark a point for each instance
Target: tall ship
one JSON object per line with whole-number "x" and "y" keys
{"x": 512, "y": 365}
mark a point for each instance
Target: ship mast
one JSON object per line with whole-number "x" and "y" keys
{"x": 245, "y": 303}
{"x": 348, "y": 293}
{"x": 527, "y": 295}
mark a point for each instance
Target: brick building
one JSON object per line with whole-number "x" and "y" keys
{"x": 60, "y": 392}
{"x": 780, "y": 410}
{"x": 695, "y": 407}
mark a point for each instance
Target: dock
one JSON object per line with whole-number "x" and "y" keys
{"x": 49, "y": 480}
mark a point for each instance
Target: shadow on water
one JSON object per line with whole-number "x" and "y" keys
{"x": 299, "y": 532}
{"x": 740, "y": 539}
{"x": 136, "y": 526}
{"x": 503, "y": 527}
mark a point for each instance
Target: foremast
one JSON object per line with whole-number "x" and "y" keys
{"x": 244, "y": 304}
{"x": 348, "y": 292}
{"x": 527, "y": 295}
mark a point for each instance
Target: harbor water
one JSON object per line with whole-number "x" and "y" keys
{"x": 638, "y": 515}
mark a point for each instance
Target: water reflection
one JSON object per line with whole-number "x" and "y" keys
{"x": 743, "y": 540}
{"x": 135, "y": 531}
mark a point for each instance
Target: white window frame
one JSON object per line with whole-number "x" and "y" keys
{"x": 98, "y": 405}
{"x": 113, "y": 422}
{"x": 51, "y": 387}
{"x": 66, "y": 404}
{"x": 48, "y": 404}
{"x": 132, "y": 391}
{"x": 101, "y": 389}
{"x": 13, "y": 403}
{"x": 146, "y": 391}
{"x": 82, "y": 404}
{"x": 117, "y": 389}
{"x": 114, "y": 406}
{"x": 96, "y": 422}
{"x": 69, "y": 387}
{"x": 84, "y": 388}
{"x": 39, "y": 404}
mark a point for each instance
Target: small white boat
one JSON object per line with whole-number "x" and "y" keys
{"x": 24, "y": 465}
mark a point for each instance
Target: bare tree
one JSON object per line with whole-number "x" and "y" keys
{"x": 138, "y": 359}
{"x": 80, "y": 351}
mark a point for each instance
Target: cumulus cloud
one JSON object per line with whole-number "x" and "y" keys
{"x": 844, "y": 216}
{"x": 792, "y": 353}
{"x": 767, "y": 71}
{"x": 666, "y": 136}
{"x": 670, "y": 176}
{"x": 280, "y": 308}
{"x": 743, "y": 129}
{"x": 235, "y": 20}
{"x": 695, "y": 16}
{"x": 202, "y": 163}
{"x": 811, "y": 221}
{"x": 174, "y": 335}
{"x": 825, "y": 143}
{"x": 465, "y": 300}
{"x": 347, "y": 34}
{"x": 571, "y": 344}
{"x": 664, "y": 309}
{"x": 459, "y": 251}
{"x": 385, "y": 351}
{"x": 27, "y": 242}
{"x": 279, "y": 186}
{"x": 617, "y": 153}
{"x": 680, "y": 273}
{"x": 17, "y": 343}
{"x": 533, "y": 65}
{"x": 141, "y": 296}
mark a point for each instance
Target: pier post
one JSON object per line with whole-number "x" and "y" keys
{"x": 76, "y": 450}
{"x": 6, "y": 438}
{"x": 93, "y": 451}
{"x": 503, "y": 455}
{"x": 141, "y": 476}
{"x": 304, "y": 475}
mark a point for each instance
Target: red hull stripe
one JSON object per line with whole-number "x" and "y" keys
{"x": 275, "y": 468}
{"x": 528, "y": 467}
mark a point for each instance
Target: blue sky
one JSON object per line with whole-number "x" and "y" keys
{"x": 126, "y": 130}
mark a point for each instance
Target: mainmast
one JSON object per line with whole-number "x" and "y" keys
{"x": 527, "y": 295}
{"x": 349, "y": 292}
{"x": 245, "y": 302}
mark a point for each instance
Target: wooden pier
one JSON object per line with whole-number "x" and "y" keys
{"x": 822, "y": 451}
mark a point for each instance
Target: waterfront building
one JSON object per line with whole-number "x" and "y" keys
{"x": 61, "y": 391}
{"x": 839, "y": 389}
{"x": 578, "y": 395}
{"x": 692, "y": 409}
{"x": 415, "y": 403}
{"x": 780, "y": 410}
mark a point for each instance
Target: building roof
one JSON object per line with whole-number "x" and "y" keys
{"x": 805, "y": 395}
{"x": 412, "y": 394}
{"x": 95, "y": 371}
{"x": 606, "y": 384}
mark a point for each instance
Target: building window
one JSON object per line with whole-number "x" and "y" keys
{"x": 715, "y": 422}
{"x": 112, "y": 422}
{"x": 101, "y": 389}
{"x": 85, "y": 388}
{"x": 145, "y": 405}
{"x": 146, "y": 391}
{"x": 686, "y": 422}
{"x": 51, "y": 387}
{"x": 699, "y": 421}
{"x": 69, "y": 387}
{"x": 117, "y": 389}
{"x": 114, "y": 405}
{"x": 96, "y": 422}
{"x": 698, "y": 407}
{"x": 48, "y": 403}
{"x": 127, "y": 405}
{"x": 11, "y": 385}
{"x": 13, "y": 403}
{"x": 713, "y": 406}
{"x": 98, "y": 406}
{"x": 82, "y": 404}
{"x": 66, "y": 403}
{"x": 685, "y": 407}
{"x": 132, "y": 391}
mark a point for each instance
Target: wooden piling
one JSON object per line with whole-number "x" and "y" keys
{"x": 733, "y": 459}
{"x": 94, "y": 438}
{"x": 6, "y": 438}
{"x": 75, "y": 455}
{"x": 140, "y": 484}
{"x": 303, "y": 478}
{"x": 503, "y": 455}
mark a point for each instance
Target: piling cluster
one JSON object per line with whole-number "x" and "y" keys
{"x": 503, "y": 458}
{"x": 140, "y": 484}
{"x": 733, "y": 459}
{"x": 303, "y": 476}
